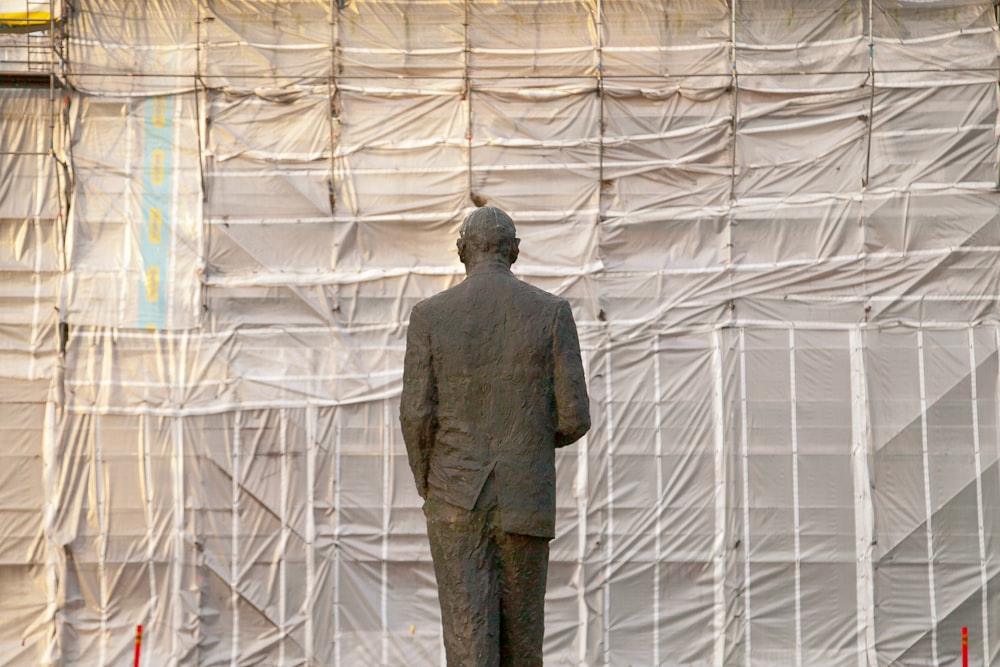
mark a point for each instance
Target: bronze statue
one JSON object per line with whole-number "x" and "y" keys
{"x": 492, "y": 384}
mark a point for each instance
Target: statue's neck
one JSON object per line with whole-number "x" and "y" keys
{"x": 486, "y": 265}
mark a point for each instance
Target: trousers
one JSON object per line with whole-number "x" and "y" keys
{"x": 491, "y": 584}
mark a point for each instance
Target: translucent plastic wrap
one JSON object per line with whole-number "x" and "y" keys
{"x": 777, "y": 224}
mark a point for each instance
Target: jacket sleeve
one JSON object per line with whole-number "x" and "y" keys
{"x": 418, "y": 403}
{"x": 570, "y": 385}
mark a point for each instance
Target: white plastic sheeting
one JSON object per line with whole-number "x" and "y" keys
{"x": 777, "y": 223}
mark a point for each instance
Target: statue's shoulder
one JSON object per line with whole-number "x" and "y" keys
{"x": 471, "y": 291}
{"x": 543, "y": 298}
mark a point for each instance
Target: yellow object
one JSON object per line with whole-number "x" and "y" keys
{"x": 23, "y": 18}
{"x": 20, "y": 22}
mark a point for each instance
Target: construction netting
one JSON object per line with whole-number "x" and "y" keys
{"x": 776, "y": 221}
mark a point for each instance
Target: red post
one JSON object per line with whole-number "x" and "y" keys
{"x": 965, "y": 646}
{"x": 138, "y": 643}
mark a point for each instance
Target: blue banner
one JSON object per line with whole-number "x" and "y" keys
{"x": 154, "y": 237}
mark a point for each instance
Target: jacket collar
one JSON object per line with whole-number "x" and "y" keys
{"x": 487, "y": 267}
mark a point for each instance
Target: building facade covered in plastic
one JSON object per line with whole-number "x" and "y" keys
{"x": 777, "y": 223}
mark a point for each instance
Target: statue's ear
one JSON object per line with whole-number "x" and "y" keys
{"x": 515, "y": 250}
{"x": 460, "y": 244}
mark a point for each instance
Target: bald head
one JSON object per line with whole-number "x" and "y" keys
{"x": 487, "y": 234}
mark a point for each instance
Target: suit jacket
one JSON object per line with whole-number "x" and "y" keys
{"x": 493, "y": 382}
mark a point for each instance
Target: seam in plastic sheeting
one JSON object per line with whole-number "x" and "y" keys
{"x": 54, "y": 562}
{"x": 179, "y": 538}
{"x": 996, "y": 406}
{"x": 721, "y": 493}
{"x": 234, "y": 566}
{"x": 285, "y": 530}
{"x": 658, "y": 458}
{"x": 147, "y": 493}
{"x": 745, "y": 469}
{"x": 581, "y": 491}
{"x": 609, "y": 539}
{"x": 97, "y": 482}
{"x": 36, "y": 223}
{"x": 861, "y": 454}
{"x": 338, "y": 556}
{"x": 927, "y": 496}
{"x": 387, "y": 468}
{"x": 978, "y": 463}
{"x": 796, "y": 523}
{"x": 309, "y": 605}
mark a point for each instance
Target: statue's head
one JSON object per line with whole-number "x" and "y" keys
{"x": 487, "y": 234}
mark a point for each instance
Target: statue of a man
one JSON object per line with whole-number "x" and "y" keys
{"x": 492, "y": 385}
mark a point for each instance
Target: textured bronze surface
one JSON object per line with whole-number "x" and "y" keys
{"x": 492, "y": 385}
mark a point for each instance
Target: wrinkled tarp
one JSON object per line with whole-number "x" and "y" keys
{"x": 776, "y": 223}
